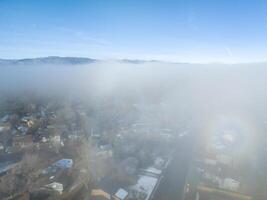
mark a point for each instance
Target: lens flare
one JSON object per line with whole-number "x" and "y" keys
{"x": 232, "y": 135}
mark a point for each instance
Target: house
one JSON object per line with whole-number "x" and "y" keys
{"x": 44, "y": 139}
{"x": 152, "y": 171}
{"x": 28, "y": 121}
{"x": 55, "y": 139}
{"x": 55, "y": 186}
{"x": 22, "y": 141}
{"x": 64, "y": 163}
{"x": 144, "y": 187}
{"x": 100, "y": 194}
{"x": 60, "y": 164}
{"x": 121, "y": 194}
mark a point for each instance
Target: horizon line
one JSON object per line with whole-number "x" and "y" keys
{"x": 139, "y": 60}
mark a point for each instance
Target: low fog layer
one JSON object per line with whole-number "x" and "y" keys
{"x": 202, "y": 88}
{"x": 196, "y": 92}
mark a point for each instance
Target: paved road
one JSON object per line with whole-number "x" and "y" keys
{"x": 172, "y": 185}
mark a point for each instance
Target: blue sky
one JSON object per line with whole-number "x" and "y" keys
{"x": 181, "y": 30}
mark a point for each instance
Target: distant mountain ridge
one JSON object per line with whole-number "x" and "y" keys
{"x": 48, "y": 60}
{"x": 63, "y": 61}
{"x": 53, "y": 60}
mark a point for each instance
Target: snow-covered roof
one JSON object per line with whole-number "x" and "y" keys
{"x": 153, "y": 170}
{"x": 64, "y": 163}
{"x": 121, "y": 194}
{"x": 55, "y": 186}
{"x": 145, "y": 184}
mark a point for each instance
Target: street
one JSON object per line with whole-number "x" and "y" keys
{"x": 172, "y": 184}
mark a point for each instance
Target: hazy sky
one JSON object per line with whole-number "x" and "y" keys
{"x": 185, "y": 31}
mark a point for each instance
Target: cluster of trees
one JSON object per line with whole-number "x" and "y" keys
{"x": 20, "y": 178}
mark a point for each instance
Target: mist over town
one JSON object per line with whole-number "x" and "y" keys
{"x": 133, "y": 100}
{"x": 76, "y": 127}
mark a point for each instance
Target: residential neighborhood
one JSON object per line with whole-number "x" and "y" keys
{"x": 55, "y": 151}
